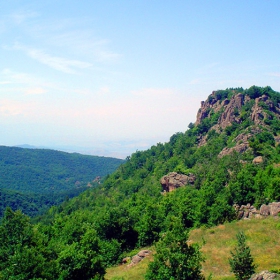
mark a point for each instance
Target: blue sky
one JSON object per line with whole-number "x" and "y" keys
{"x": 113, "y": 77}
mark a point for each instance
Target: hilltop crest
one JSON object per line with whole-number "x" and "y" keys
{"x": 251, "y": 111}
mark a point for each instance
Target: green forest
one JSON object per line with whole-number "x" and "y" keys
{"x": 82, "y": 236}
{"x": 35, "y": 179}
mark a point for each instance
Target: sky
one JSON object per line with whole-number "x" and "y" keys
{"x": 113, "y": 77}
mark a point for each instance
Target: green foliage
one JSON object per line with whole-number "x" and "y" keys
{"x": 21, "y": 253}
{"x": 175, "y": 258}
{"x": 241, "y": 262}
{"x": 87, "y": 233}
{"x": 81, "y": 260}
{"x": 35, "y": 179}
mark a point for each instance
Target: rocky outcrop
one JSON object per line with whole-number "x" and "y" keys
{"x": 230, "y": 111}
{"x": 174, "y": 180}
{"x": 249, "y": 211}
{"x": 239, "y": 148}
{"x": 137, "y": 258}
{"x": 265, "y": 275}
{"x": 242, "y": 142}
{"x": 229, "y": 108}
{"x": 258, "y": 114}
{"x": 229, "y": 115}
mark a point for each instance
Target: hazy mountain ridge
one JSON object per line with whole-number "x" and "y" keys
{"x": 128, "y": 209}
{"x": 42, "y": 177}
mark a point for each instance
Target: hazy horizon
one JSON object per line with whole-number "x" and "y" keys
{"x": 119, "y": 76}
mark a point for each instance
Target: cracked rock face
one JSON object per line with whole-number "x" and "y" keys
{"x": 229, "y": 109}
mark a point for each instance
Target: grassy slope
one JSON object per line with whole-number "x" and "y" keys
{"x": 263, "y": 237}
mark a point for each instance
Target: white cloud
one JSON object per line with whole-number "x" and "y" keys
{"x": 58, "y": 63}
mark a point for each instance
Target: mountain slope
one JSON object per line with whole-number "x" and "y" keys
{"x": 232, "y": 155}
{"x": 42, "y": 177}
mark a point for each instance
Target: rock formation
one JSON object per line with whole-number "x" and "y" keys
{"x": 230, "y": 111}
{"x": 137, "y": 258}
{"x": 249, "y": 211}
{"x": 174, "y": 180}
{"x": 229, "y": 108}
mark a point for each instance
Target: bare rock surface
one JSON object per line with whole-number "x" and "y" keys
{"x": 174, "y": 180}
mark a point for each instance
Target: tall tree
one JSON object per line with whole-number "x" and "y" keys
{"x": 176, "y": 259}
{"x": 241, "y": 261}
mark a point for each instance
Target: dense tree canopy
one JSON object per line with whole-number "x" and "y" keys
{"x": 129, "y": 210}
{"x": 35, "y": 179}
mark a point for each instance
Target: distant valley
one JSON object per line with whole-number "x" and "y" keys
{"x": 33, "y": 179}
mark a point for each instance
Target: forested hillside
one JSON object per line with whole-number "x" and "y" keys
{"x": 35, "y": 179}
{"x": 232, "y": 151}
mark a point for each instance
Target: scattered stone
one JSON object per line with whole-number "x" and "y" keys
{"x": 265, "y": 275}
{"x": 249, "y": 211}
{"x": 139, "y": 257}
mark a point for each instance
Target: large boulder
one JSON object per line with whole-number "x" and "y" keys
{"x": 174, "y": 180}
{"x": 274, "y": 208}
{"x": 265, "y": 210}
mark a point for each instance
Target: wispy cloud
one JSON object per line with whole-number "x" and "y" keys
{"x": 55, "y": 62}
{"x": 8, "y": 76}
{"x": 73, "y": 35}
{"x": 83, "y": 41}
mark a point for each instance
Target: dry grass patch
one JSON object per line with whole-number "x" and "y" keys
{"x": 263, "y": 238}
{"x": 124, "y": 272}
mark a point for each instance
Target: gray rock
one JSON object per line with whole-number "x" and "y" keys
{"x": 174, "y": 180}
{"x": 265, "y": 275}
{"x": 265, "y": 210}
{"x": 274, "y": 208}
